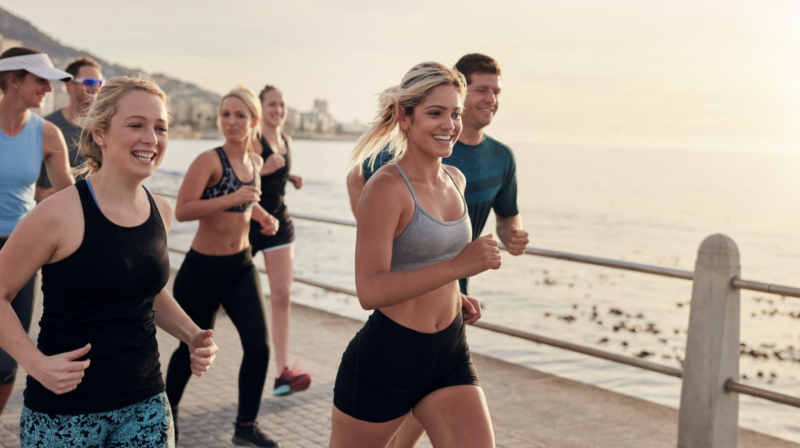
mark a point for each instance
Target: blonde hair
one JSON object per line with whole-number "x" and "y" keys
{"x": 413, "y": 89}
{"x": 103, "y": 110}
{"x": 253, "y": 105}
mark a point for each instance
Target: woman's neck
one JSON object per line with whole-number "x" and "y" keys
{"x": 14, "y": 115}
{"x": 422, "y": 164}
{"x": 236, "y": 149}
{"x": 271, "y": 133}
{"x": 116, "y": 187}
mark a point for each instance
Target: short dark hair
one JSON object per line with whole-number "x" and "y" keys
{"x": 472, "y": 63}
{"x": 10, "y": 53}
{"x": 74, "y": 67}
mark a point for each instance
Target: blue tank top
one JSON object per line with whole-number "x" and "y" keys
{"x": 21, "y": 158}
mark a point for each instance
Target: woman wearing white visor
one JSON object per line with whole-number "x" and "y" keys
{"x": 25, "y": 140}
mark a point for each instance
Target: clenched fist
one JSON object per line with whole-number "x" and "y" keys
{"x": 478, "y": 256}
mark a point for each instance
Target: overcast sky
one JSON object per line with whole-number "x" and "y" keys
{"x": 633, "y": 73}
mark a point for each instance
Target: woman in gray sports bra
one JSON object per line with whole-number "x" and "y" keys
{"x": 412, "y": 246}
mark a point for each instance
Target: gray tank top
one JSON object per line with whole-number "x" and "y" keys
{"x": 427, "y": 240}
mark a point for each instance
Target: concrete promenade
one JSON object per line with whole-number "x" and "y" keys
{"x": 529, "y": 408}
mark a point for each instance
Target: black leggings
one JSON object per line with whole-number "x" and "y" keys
{"x": 202, "y": 284}
{"x": 23, "y": 305}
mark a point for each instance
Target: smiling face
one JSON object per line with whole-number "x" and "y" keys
{"x": 136, "y": 139}
{"x": 274, "y": 107}
{"x": 236, "y": 120}
{"x": 31, "y": 89}
{"x": 482, "y": 101}
{"x": 435, "y": 124}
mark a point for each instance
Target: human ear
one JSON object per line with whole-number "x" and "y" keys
{"x": 404, "y": 120}
{"x": 99, "y": 137}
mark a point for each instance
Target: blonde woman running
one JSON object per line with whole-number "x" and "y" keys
{"x": 221, "y": 190}
{"x": 412, "y": 246}
{"x": 94, "y": 377}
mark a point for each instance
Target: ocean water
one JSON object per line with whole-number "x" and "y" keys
{"x": 647, "y": 206}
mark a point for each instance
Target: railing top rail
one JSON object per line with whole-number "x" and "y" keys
{"x": 787, "y": 291}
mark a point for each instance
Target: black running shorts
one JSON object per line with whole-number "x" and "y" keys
{"x": 388, "y": 368}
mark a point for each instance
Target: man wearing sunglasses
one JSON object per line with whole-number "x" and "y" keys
{"x": 87, "y": 80}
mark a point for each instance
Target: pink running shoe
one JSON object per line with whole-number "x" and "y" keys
{"x": 291, "y": 381}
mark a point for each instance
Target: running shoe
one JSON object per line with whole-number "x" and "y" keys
{"x": 252, "y": 435}
{"x": 291, "y": 381}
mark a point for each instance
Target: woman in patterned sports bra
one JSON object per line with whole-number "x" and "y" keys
{"x": 221, "y": 190}
{"x": 278, "y": 249}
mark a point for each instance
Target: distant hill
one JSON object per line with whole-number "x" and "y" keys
{"x": 13, "y": 27}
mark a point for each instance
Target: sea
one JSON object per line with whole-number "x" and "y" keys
{"x": 639, "y": 205}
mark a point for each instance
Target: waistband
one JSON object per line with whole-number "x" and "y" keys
{"x": 217, "y": 263}
{"x": 413, "y": 336}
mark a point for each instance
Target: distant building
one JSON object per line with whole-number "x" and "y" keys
{"x": 294, "y": 120}
{"x": 318, "y": 120}
{"x": 194, "y": 112}
{"x": 354, "y": 127}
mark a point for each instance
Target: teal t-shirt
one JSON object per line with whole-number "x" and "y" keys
{"x": 491, "y": 173}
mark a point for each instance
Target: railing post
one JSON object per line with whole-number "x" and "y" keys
{"x": 709, "y": 416}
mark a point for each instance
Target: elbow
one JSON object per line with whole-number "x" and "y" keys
{"x": 366, "y": 299}
{"x": 181, "y": 215}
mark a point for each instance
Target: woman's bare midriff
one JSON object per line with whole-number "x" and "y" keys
{"x": 223, "y": 233}
{"x": 428, "y": 313}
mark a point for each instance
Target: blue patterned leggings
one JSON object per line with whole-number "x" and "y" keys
{"x": 147, "y": 424}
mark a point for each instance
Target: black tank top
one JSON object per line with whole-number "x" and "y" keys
{"x": 229, "y": 183}
{"x": 103, "y": 294}
{"x": 273, "y": 186}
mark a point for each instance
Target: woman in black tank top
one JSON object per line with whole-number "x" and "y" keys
{"x": 221, "y": 190}
{"x": 104, "y": 260}
{"x": 278, "y": 249}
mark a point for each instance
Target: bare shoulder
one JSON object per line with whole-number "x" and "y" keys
{"x": 52, "y": 135}
{"x": 206, "y": 161}
{"x": 164, "y": 209}
{"x": 57, "y": 211}
{"x": 51, "y": 131}
{"x": 287, "y": 138}
{"x": 386, "y": 181}
{"x": 458, "y": 176}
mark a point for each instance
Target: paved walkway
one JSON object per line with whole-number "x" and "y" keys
{"x": 529, "y": 408}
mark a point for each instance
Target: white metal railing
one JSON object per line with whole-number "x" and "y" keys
{"x": 708, "y": 415}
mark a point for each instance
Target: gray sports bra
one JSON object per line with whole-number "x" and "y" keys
{"x": 427, "y": 240}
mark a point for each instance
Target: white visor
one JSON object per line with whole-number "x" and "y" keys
{"x": 39, "y": 64}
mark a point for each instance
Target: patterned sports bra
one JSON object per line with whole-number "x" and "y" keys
{"x": 230, "y": 183}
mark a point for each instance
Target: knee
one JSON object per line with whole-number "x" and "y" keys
{"x": 256, "y": 348}
{"x": 280, "y": 298}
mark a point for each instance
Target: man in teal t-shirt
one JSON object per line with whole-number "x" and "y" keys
{"x": 488, "y": 165}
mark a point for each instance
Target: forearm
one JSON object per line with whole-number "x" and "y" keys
{"x": 200, "y": 208}
{"x": 504, "y": 224}
{"x": 171, "y": 318}
{"x": 258, "y": 213}
{"x": 387, "y": 288}
{"x": 14, "y": 340}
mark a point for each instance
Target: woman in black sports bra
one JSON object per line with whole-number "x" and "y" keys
{"x": 278, "y": 249}
{"x": 221, "y": 190}
{"x": 94, "y": 373}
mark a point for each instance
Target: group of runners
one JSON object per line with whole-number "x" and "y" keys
{"x": 422, "y": 183}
